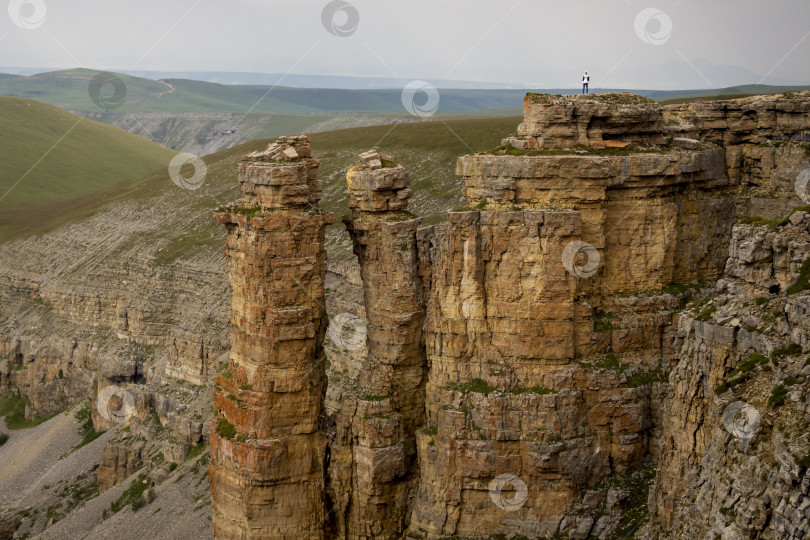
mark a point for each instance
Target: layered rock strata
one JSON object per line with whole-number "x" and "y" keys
{"x": 766, "y": 140}
{"x": 267, "y": 448}
{"x": 594, "y": 121}
{"x": 733, "y": 459}
{"x": 524, "y": 387}
{"x": 390, "y": 404}
{"x": 656, "y": 217}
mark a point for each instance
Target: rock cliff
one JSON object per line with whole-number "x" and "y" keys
{"x": 607, "y": 341}
{"x": 374, "y": 480}
{"x": 534, "y": 367}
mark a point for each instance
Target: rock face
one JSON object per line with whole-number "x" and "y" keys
{"x": 267, "y": 448}
{"x": 50, "y": 372}
{"x": 505, "y": 401}
{"x": 622, "y": 203}
{"x": 741, "y": 476}
{"x": 117, "y": 463}
{"x": 765, "y": 139}
{"x": 529, "y": 369}
{"x": 517, "y": 389}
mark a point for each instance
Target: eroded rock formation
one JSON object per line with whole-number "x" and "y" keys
{"x": 593, "y": 121}
{"x": 741, "y": 477}
{"x": 391, "y": 401}
{"x": 267, "y": 447}
{"x": 515, "y": 332}
{"x": 527, "y": 366}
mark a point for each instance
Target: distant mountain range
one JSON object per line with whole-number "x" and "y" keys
{"x": 675, "y": 75}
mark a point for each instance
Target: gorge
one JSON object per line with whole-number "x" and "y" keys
{"x": 566, "y": 356}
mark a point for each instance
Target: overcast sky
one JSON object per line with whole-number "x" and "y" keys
{"x": 537, "y": 43}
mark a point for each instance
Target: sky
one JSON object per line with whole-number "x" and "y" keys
{"x": 663, "y": 44}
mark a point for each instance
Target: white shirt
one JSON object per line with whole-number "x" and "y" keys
{"x": 586, "y": 78}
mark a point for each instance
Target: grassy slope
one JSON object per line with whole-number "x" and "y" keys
{"x": 428, "y": 149}
{"x": 734, "y": 92}
{"x": 91, "y": 157}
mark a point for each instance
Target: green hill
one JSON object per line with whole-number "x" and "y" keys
{"x": 202, "y": 117}
{"x": 48, "y": 155}
{"x": 191, "y": 116}
{"x": 69, "y": 89}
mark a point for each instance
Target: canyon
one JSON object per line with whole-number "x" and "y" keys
{"x": 566, "y": 356}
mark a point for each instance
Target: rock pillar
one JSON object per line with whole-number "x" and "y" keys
{"x": 390, "y": 404}
{"x": 267, "y": 449}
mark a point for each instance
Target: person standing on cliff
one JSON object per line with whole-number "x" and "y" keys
{"x": 586, "y": 80}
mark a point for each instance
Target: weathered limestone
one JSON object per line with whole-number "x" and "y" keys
{"x": 623, "y": 202}
{"x": 390, "y": 406}
{"x": 743, "y": 480}
{"x": 283, "y": 176}
{"x": 117, "y": 463}
{"x": 267, "y": 449}
{"x": 516, "y": 385}
{"x": 595, "y": 121}
{"x": 504, "y": 396}
{"x": 766, "y": 141}
{"x": 51, "y": 373}
{"x": 740, "y": 478}
{"x": 378, "y": 185}
{"x": 752, "y": 120}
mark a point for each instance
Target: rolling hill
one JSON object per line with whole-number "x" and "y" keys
{"x": 203, "y": 117}
{"x": 732, "y": 92}
{"x": 69, "y": 89}
{"x": 48, "y": 156}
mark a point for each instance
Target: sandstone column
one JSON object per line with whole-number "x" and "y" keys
{"x": 267, "y": 451}
{"x": 391, "y": 401}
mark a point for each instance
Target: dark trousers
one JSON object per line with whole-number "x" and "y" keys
{"x": 585, "y": 88}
